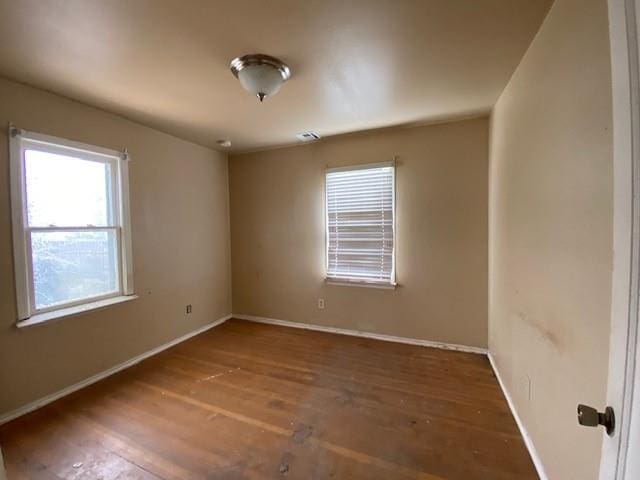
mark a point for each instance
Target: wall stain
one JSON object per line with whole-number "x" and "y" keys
{"x": 547, "y": 334}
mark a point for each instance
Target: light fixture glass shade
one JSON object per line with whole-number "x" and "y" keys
{"x": 260, "y": 80}
{"x": 261, "y": 75}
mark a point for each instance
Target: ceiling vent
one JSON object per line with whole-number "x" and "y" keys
{"x": 307, "y": 136}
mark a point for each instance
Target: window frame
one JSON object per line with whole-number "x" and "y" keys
{"x": 391, "y": 284}
{"x": 22, "y": 140}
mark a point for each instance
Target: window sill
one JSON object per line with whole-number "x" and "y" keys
{"x": 348, "y": 283}
{"x": 41, "y": 318}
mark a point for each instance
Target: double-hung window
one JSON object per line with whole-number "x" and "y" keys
{"x": 71, "y": 233}
{"x": 360, "y": 217}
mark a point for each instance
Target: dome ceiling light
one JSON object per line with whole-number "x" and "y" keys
{"x": 260, "y": 75}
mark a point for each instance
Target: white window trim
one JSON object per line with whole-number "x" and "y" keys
{"x": 344, "y": 282}
{"x": 27, "y": 314}
{"x": 40, "y": 318}
{"x": 355, "y": 283}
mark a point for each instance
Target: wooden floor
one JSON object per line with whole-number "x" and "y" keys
{"x": 252, "y": 401}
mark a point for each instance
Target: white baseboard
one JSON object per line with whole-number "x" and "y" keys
{"x": 523, "y": 431}
{"x": 41, "y": 402}
{"x": 356, "y": 333}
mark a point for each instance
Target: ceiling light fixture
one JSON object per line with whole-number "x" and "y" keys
{"x": 260, "y": 75}
{"x": 224, "y": 143}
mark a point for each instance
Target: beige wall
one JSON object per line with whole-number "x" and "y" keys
{"x": 551, "y": 234}
{"x": 180, "y": 227}
{"x": 278, "y": 234}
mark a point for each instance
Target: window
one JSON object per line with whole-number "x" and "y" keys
{"x": 360, "y": 206}
{"x": 71, "y": 230}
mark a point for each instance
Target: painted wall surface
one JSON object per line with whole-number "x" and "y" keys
{"x": 278, "y": 234}
{"x": 181, "y": 251}
{"x": 551, "y": 226}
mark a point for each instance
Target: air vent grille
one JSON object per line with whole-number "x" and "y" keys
{"x": 307, "y": 136}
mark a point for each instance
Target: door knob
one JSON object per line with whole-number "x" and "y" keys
{"x": 590, "y": 417}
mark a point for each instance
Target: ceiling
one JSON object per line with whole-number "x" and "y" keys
{"x": 356, "y": 64}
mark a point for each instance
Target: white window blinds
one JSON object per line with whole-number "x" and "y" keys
{"x": 360, "y": 203}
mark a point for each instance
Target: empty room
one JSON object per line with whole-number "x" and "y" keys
{"x": 299, "y": 239}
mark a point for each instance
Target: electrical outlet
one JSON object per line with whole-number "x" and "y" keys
{"x": 321, "y": 303}
{"x": 188, "y": 308}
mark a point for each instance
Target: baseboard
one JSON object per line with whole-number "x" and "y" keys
{"x": 356, "y": 333}
{"x": 30, "y": 407}
{"x": 523, "y": 431}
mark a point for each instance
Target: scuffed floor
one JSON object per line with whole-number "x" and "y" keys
{"x": 252, "y": 401}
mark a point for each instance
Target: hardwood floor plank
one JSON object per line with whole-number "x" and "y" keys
{"x": 253, "y": 401}
{"x": 51, "y": 452}
{"x": 367, "y": 426}
{"x": 404, "y": 401}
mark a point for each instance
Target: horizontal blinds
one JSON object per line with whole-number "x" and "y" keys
{"x": 360, "y": 224}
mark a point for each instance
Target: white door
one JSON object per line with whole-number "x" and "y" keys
{"x": 621, "y": 451}
{"x": 3, "y": 475}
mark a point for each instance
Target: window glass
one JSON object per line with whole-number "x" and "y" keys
{"x": 70, "y": 266}
{"x": 66, "y": 191}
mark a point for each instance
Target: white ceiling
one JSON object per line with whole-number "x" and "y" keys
{"x": 356, "y": 64}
